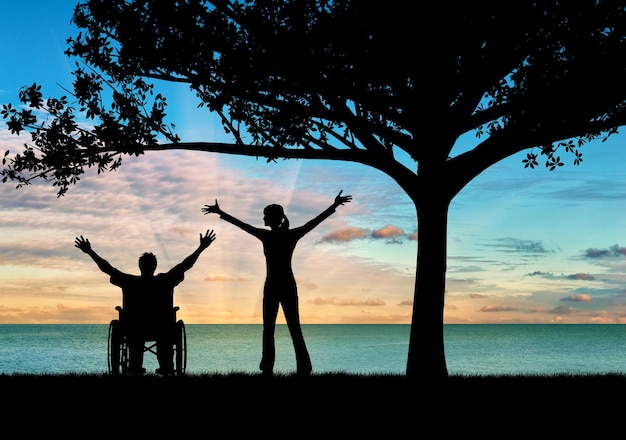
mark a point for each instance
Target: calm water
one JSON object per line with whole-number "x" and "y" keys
{"x": 470, "y": 349}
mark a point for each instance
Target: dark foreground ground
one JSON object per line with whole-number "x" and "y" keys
{"x": 321, "y": 406}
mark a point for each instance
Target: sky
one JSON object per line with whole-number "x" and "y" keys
{"x": 524, "y": 246}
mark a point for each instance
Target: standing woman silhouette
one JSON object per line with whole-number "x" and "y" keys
{"x": 280, "y": 287}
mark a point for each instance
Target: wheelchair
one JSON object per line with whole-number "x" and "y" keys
{"x": 118, "y": 349}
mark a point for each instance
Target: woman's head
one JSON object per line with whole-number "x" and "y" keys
{"x": 274, "y": 216}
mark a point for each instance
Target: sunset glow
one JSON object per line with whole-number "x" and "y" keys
{"x": 524, "y": 246}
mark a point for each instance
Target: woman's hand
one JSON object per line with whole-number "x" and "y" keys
{"x": 212, "y": 209}
{"x": 339, "y": 200}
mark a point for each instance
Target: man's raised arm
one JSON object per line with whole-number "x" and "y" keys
{"x": 84, "y": 245}
{"x": 205, "y": 242}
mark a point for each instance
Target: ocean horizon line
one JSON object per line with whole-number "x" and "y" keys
{"x": 342, "y": 323}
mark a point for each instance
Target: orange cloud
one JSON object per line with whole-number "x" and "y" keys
{"x": 388, "y": 231}
{"x": 180, "y": 231}
{"x": 344, "y": 235}
{"x": 580, "y": 297}
{"x": 478, "y": 296}
{"x": 490, "y": 308}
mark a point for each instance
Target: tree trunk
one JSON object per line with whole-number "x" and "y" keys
{"x": 426, "y": 358}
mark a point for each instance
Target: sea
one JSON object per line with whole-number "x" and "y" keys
{"x": 470, "y": 349}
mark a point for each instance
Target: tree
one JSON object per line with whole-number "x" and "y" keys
{"x": 379, "y": 84}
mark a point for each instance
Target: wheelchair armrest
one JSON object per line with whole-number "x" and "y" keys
{"x": 123, "y": 314}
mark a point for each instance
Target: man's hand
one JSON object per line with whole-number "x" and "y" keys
{"x": 207, "y": 239}
{"x": 82, "y": 244}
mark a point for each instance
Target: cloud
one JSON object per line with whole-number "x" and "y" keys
{"x": 224, "y": 278}
{"x": 310, "y": 285}
{"x": 539, "y": 273}
{"x": 527, "y": 246}
{"x": 391, "y": 233}
{"x": 580, "y": 297}
{"x": 520, "y": 246}
{"x": 478, "y": 296}
{"x": 388, "y": 232}
{"x": 180, "y": 231}
{"x": 490, "y": 308}
{"x": 613, "y": 251}
{"x": 562, "y": 310}
{"x": 347, "y": 302}
{"x": 344, "y": 235}
{"x": 469, "y": 269}
{"x": 581, "y": 276}
{"x": 406, "y": 303}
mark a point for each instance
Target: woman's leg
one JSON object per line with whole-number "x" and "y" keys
{"x": 292, "y": 316}
{"x": 270, "y": 311}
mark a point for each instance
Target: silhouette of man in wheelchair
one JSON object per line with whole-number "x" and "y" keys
{"x": 147, "y": 313}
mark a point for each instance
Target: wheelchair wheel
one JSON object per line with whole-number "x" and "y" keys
{"x": 116, "y": 348}
{"x": 180, "y": 348}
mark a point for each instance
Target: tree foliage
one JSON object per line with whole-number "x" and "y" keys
{"x": 327, "y": 77}
{"x": 368, "y": 82}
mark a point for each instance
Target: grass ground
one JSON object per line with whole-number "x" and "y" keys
{"x": 330, "y": 405}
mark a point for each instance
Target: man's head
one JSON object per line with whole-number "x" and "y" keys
{"x": 147, "y": 263}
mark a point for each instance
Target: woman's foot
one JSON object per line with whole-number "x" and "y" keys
{"x": 304, "y": 371}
